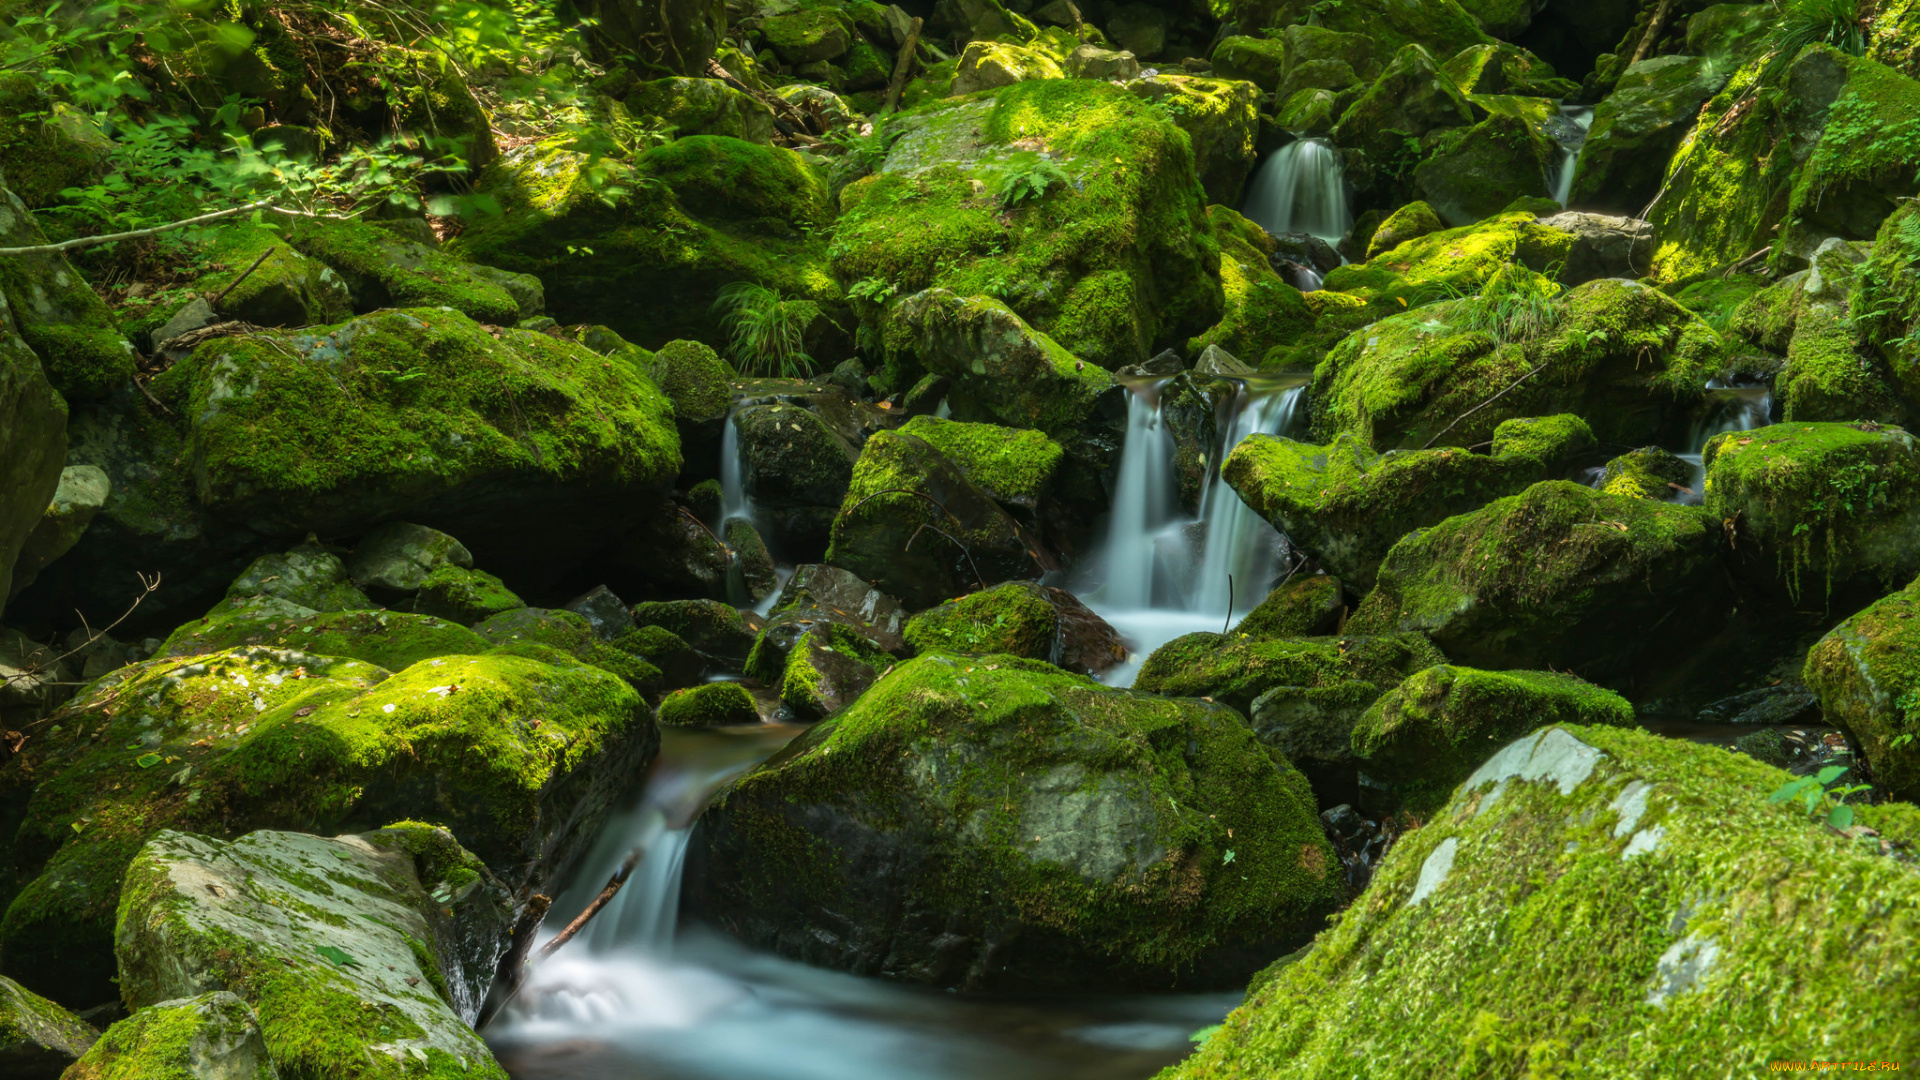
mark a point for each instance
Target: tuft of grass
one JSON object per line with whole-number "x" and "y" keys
{"x": 768, "y": 329}
{"x": 1514, "y": 305}
{"x": 1839, "y": 23}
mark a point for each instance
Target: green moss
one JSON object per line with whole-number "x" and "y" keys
{"x": 1264, "y": 313}
{"x": 59, "y": 315}
{"x": 401, "y": 408}
{"x": 1559, "y": 575}
{"x": 1480, "y": 171}
{"x": 382, "y": 270}
{"x": 955, "y": 755}
{"x": 1647, "y": 473}
{"x": 1717, "y": 299}
{"x": 1867, "y": 673}
{"x": 1552, "y": 440}
{"x": 1461, "y": 260}
{"x": 1565, "y": 929}
{"x": 663, "y": 649}
{"x": 703, "y": 107}
{"x": 33, "y": 1027}
{"x": 1236, "y": 668}
{"x": 179, "y": 1040}
{"x": 1014, "y": 618}
{"x": 694, "y": 378}
{"x": 714, "y": 704}
{"x": 1257, "y": 60}
{"x": 709, "y": 626}
{"x": 827, "y": 668}
{"x": 287, "y": 289}
{"x": 1828, "y": 501}
{"x": 1885, "y": 301}
{"x": 1297, "y": 607}
{"x": 1129, "y": 207}
{"x": 1864, "y": 161}
{"x": 45, "y": 145}
{"x": 539, "y": 629}
{"x": 463, "y": 595}
{"x": 1014, "y": 466}
{"x": 1433, "y": 730}
{"x": 1410, "y": 222}
{"x": 388, "y": 639}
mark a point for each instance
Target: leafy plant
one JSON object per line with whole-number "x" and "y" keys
{"x": 1839, "y": 23}
{"x": 1813, "y": 792}
{"x": 867, "y": 145}
{"x": 874, "y": 290}
{"x": 1029, "y": 182}
{"x": 768, "y": 329}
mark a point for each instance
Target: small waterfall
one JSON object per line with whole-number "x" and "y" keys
{"x": 1732, "y": 408}
{"x": 1301, "y": 188}
{"x": 733, "y": 489}
{"x": 1572, "y": 142}
{"x": 1144, "y": 503}
{"x": 1242, "y": 553}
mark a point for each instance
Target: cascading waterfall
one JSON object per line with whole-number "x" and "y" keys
{"x": 1570, "y": 148}
{"x": 1733, "y": 408}
{"x": 1242, "y": 553}
{"x": 1144, "y": 504}
{"x": 1301, "y": 188}
{"x": 733, "y": 489}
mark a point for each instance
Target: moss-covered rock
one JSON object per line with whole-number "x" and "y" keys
{"x": 213, "y": 1035}
{"x": 688, "y": 218}
{"x": 1266, "y": 318}
{"x": 703, "y": 107}
{"x": 1623, "y": 356}
{"x": 82, "y": 491}
{"x": 57, "y": 313}
{"x": 791, "y": 458}
{"x": 1002, "y": 796}
{"x": 308, "y": 576}
{"x": 38, "y": 1039}
{"x": 1558, "y": 576}
{"x": 1020, "y": 618}
{"x": 1443, "y": 26}
{"x": 531, "y": 632}
{"x": 396, "y": 558}
{"x": 1347, "y": 506}
{"x": 46, "y": 145}
{"x": 714, "y": 704}
{"x": 337, "y": 945}
{"x": 989, "y": 65}
{"x": 1816, "y": 507}
{"x": 1301, "y": 606}
{"x": 1650, "y": 472}
{"x": 694, "y": 378}
{"x": 1015, "y": 466}
{"x": 1426, "y": 267}
{"x": 678, "y": 36}
{"x": 1641, "y": 883}
{"x": 464, "y": 596}
{"x": 1869, "y": 686}
{"x": 1554, "y": 441}
{"x": 1432, "y": 731}
{"x": 1021, "y": 195}
{"x": 1410, "y": 222}
{"x": 828, "y": 667}
{"x": 1236, "y": 668}
{"x": 1636, "y": 128}
{"x": 679, "y": 664}
{"x": 1885, "y": 300}
{"x": 388, "y": 639}
{"x": 1410, "y": 99}
{"x": 1222, "y": 119}
{"x": 419, "y": 412}
{"x": 33, "y": 447}
{"x": 383, "y": 270}
{"x": 715, "y": 630}
{"x": 1478, "y": 172}
{"x": 287, "y": 289}
{"x": 1260, "y": 61}
{"x": 521, "y": 758}
{"x": 752, "y": 576}
{"x": 901, "y": 487}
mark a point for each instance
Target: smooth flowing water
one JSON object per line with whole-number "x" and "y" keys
{"x": 1572, "y": 141}
{"x": 1730, "y": 408}
{"x": 1163, "y": 573}
{"x": 733, "y": 489}
{"x": 639, "y": 996}
{"x": 1301, "y": 188}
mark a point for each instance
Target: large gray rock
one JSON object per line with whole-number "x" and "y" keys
{"x": 1603, "y": 247}
{"x": 304, "y": 928}
{"x": 57, "y": 313}
{"x": 82, "y": 492}
{"x": 397, "y": 557}
{"x": 33, "y": 445}
{"x": 38, "y": 1039}
{"x": 215, "y": 1036}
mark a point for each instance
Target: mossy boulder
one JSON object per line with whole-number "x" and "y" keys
{"x": 307, "y": 576}
{"x": 46, "y": 145}
{"x": 338, "y": 945}
{"x": 287, "y": 289}
{"x": 1636, "y": 129}
{"x": 901, "y": 487}
{"x": 809, "y": 34}
{"x": 422, "y": 413}
{"x": 690, "y": 217}
{"x": 1650, "y": 472}
{"x": 1642, "y": 883}
{"x": 1410, "y": 222}
{"x": 1443, "y": 26}
{"x": 38, "y": 1039}
{"x": 1260, "y": 61}
{"x": 33, "y": 447}
{"x": 678, "y": 36}
{"x": 1432, "y": 731}
{"x": 828, "y": 593}
{"x": 703, "y": 107}
{"x": 388, "y": 639}
{"x": 752, "y": 576}
{"x": 1020, "y": 618}
{"x": 714, "y": 629}
{"x": 1885, "y": 301}
{"x": 989, "y": 65}
{"x": 1478, "y": 172}
{"x": 82, "y": 491}
{"x": 695, "y": 379}
{"x": 1236, "y": 668}
{"x": 464, "y": 596}
{"x": 521, "y": 758}
{"x": 1816, "y": 508}
{"x": 1411, "y": 98}
{"x": 57, "y": 314}
{"x": 1021, "y": 195}
{"x": 1002, "y": 369}
{"x": 960, "y": 802}
{"x": 1625, "y": 357}
{"x": 383, "y": 270}
{"x": 1558, "y": 576}
{"x": 1301, "y": 606}
{"x": 678, "y": 662}
{"x": 790, "y": 458}
{"x": 1869, "y": 685}
{"x": 396, "y": 558}
{"x": 1462, "y": 259}
{"x": 1015, "y": 466}
{"x": 213, "y": 1035}
{"x": 1555, "y": 441}
{"x": 714, "y": 704}
{"x": 1266, "y": 317}
{"x": 1347, "y": 505}
{"x": 532, "y": 632}
{"x": 1222, "y": 119}
{"x": 829, "y": 666}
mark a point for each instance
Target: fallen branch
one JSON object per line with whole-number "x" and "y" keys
{"x": 512, "y": 969}
{"x": 607, "y": 893}
{"x": 108, "y": 238}
{"x": 1653, "y": 32}
{"x": 147, "y": 588}
{"x": 904, "y": 64}
{"x": 243, "y": 276}
{"x": 1482, "y": 405}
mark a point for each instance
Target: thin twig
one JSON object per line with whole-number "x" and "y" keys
{"x": 1482, "y": 405}
{"x": 904, "y": 64}
{"x": 147, "y": 587}
{"x": 512, "y": 969}
{"x": 108, "y": 238}
{"x": 243, "y": 275}
{"x": 607, "y": 893}
{"x": 850, "y": 511}
{"x": 1228, "y": 625}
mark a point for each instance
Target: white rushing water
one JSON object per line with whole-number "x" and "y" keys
{"x": 1730, "y": 408}
{"x": 638, "y": 996}
{"x": 733, "y": 490}
{"x": 1165, "y": 574}
{"x": 1301, "y": 188}
{"x": 1570, "y": 154}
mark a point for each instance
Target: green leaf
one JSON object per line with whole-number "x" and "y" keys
{"x": 1841, "y": 818}
{"x": 1789, "y": 789}
{"x": 1228, "y": 859}
{"x": 338, "y": 956}
{"x": 1829, "y": 774}
{"x": 147, "y": 761}
{"x": 1205, "y": 1033}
